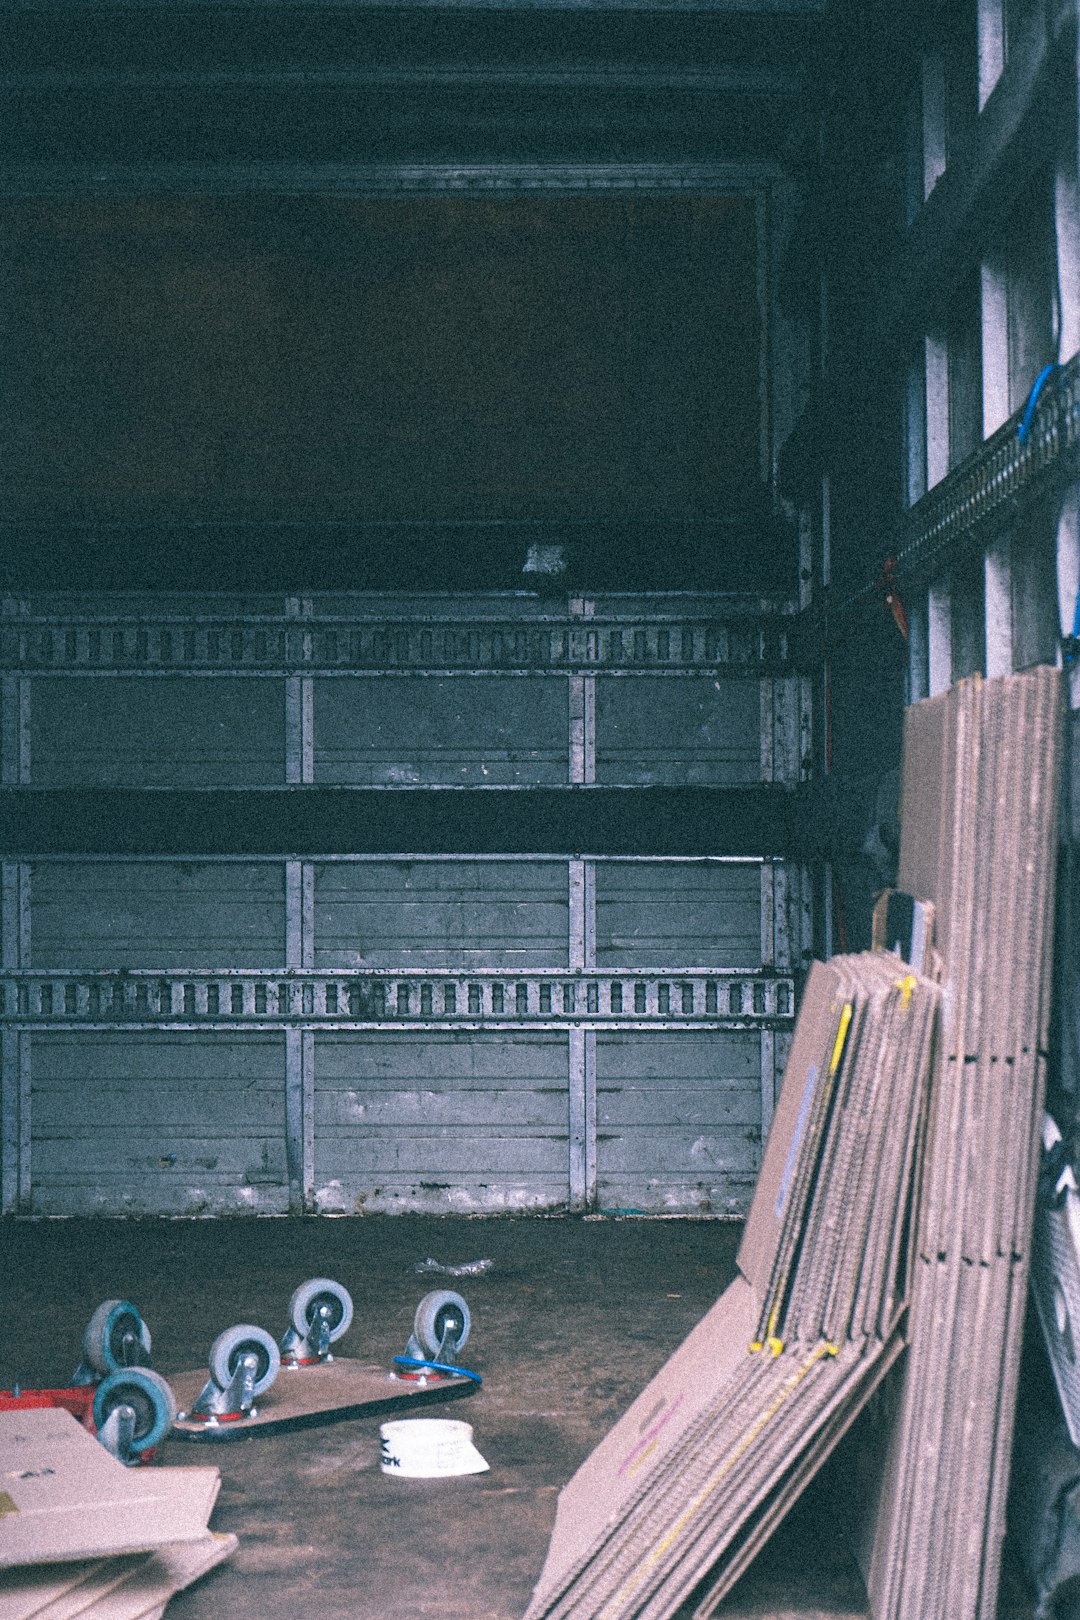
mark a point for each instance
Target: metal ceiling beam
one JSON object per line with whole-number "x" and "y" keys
{"x": 595, "y": 76}
{"x": 754, "y": 821}
{"x": 374, "y": 180}
{"x": 720, "y": 8}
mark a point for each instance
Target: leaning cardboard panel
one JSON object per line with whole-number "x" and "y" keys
{"x": 820, "y": 1034}
{"x": 63, "y": 1497}
{"x": 923, "y": 807}
{"x": 720, "y": 1580}
{"x": 649, "y": 1432}
{"x": 50, "y": 1589}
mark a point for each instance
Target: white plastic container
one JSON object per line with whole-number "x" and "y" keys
{"x": 429, "y": 1448}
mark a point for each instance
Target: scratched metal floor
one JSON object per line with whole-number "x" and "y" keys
{"x": 572, "y": 1319}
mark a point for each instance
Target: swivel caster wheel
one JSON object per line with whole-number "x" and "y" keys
{"x": 442, "y": 1324}
{"x": 320, "y": 1313}
{"x": 244, "y": 1361}
{"x": 440, "y": 1329}
{"x": 115, "y": 1338}
{"x": 134, "y": 1409}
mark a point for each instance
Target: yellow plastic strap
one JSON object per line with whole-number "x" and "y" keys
{"x": 906, "y": 987}
{"x": 841, "y": 1037}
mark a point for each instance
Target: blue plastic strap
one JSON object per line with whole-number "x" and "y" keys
{"x": 1033, "y": 400}
{"x": 438, "y": 1366}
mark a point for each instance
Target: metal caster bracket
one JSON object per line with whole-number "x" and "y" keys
{"x": 118, "y": 1435}
{"x": 320, "y": 1312}
{"x": 232, "y": 1402}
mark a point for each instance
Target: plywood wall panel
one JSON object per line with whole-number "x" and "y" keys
{"x": 147, "y": 1123}
{"x": 678, "y": 1120}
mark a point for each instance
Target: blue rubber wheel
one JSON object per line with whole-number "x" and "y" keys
{"x": 242, "y": 1340}
{"x": 116, "y": 1338}
{"x": 149, "y": 1397}
{"x": 311, "y": 1297}
{"x": 436, "y": 1312}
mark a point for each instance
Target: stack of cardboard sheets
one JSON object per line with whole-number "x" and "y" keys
{"x": 681, "y": 1494}
{"x": 978, "y": 837}
{"x": 81, "y": 1535}
{"x": 865, "y": 1200}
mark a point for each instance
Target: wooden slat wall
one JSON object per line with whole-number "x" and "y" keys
{"x": 184, "y": 1121}
{"x": 681, "y": 731}
{"x": 461, "y": 730}
{"x": 164, "y": 731}
{"x": 667, "y": 914}
{"x": 170, "y": 731}
{"x": 441, "y": 914}
{"x": 177, "y": 1124}
{"x": 440, "y": 1122}
{"x": 158, "y": 914}
{"x": 678, "y": 1121}
{"x": 368, "y": 691}
{"x": 344, "y": 690}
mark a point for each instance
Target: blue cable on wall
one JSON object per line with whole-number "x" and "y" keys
{"x": 1033, "y": 400}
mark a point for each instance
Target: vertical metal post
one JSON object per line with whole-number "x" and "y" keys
{"x": 998, "y": 575}
{"x": 14, "y": 701}
{"x": 15, "y": 740}
{"x": 300, "y": 1044}
{"x": 294, "y": 1118}
{"x": 937, "y": 410}
{"x": 300, "y": 705}
{"x": 15, "y": 1076}
{"x": 994, "y": 326}
{"x": 991, "y": 35}
{"x": 786, "y": 729}
{"x": 933, "y": 121}
{"x": 767, "y": 713}
{"x": 1068, "y": 576}
{"x": 939, "y": 638}
{"x": 581, "y": 1044}
{"x": 918, "y": 650}
{"x": 771, "y": 898}
{"x": 581, "y": 1055}
{"x": 768, "y": 1081}
{"x": 582, "y": 711}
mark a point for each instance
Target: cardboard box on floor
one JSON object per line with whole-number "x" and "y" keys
{"x": 63, "y": 1497}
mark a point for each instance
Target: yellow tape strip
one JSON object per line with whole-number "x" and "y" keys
{"x": 841, "y": 1037}
{"x": 630, "y": 1586}
{"x": 907, "y": 988}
